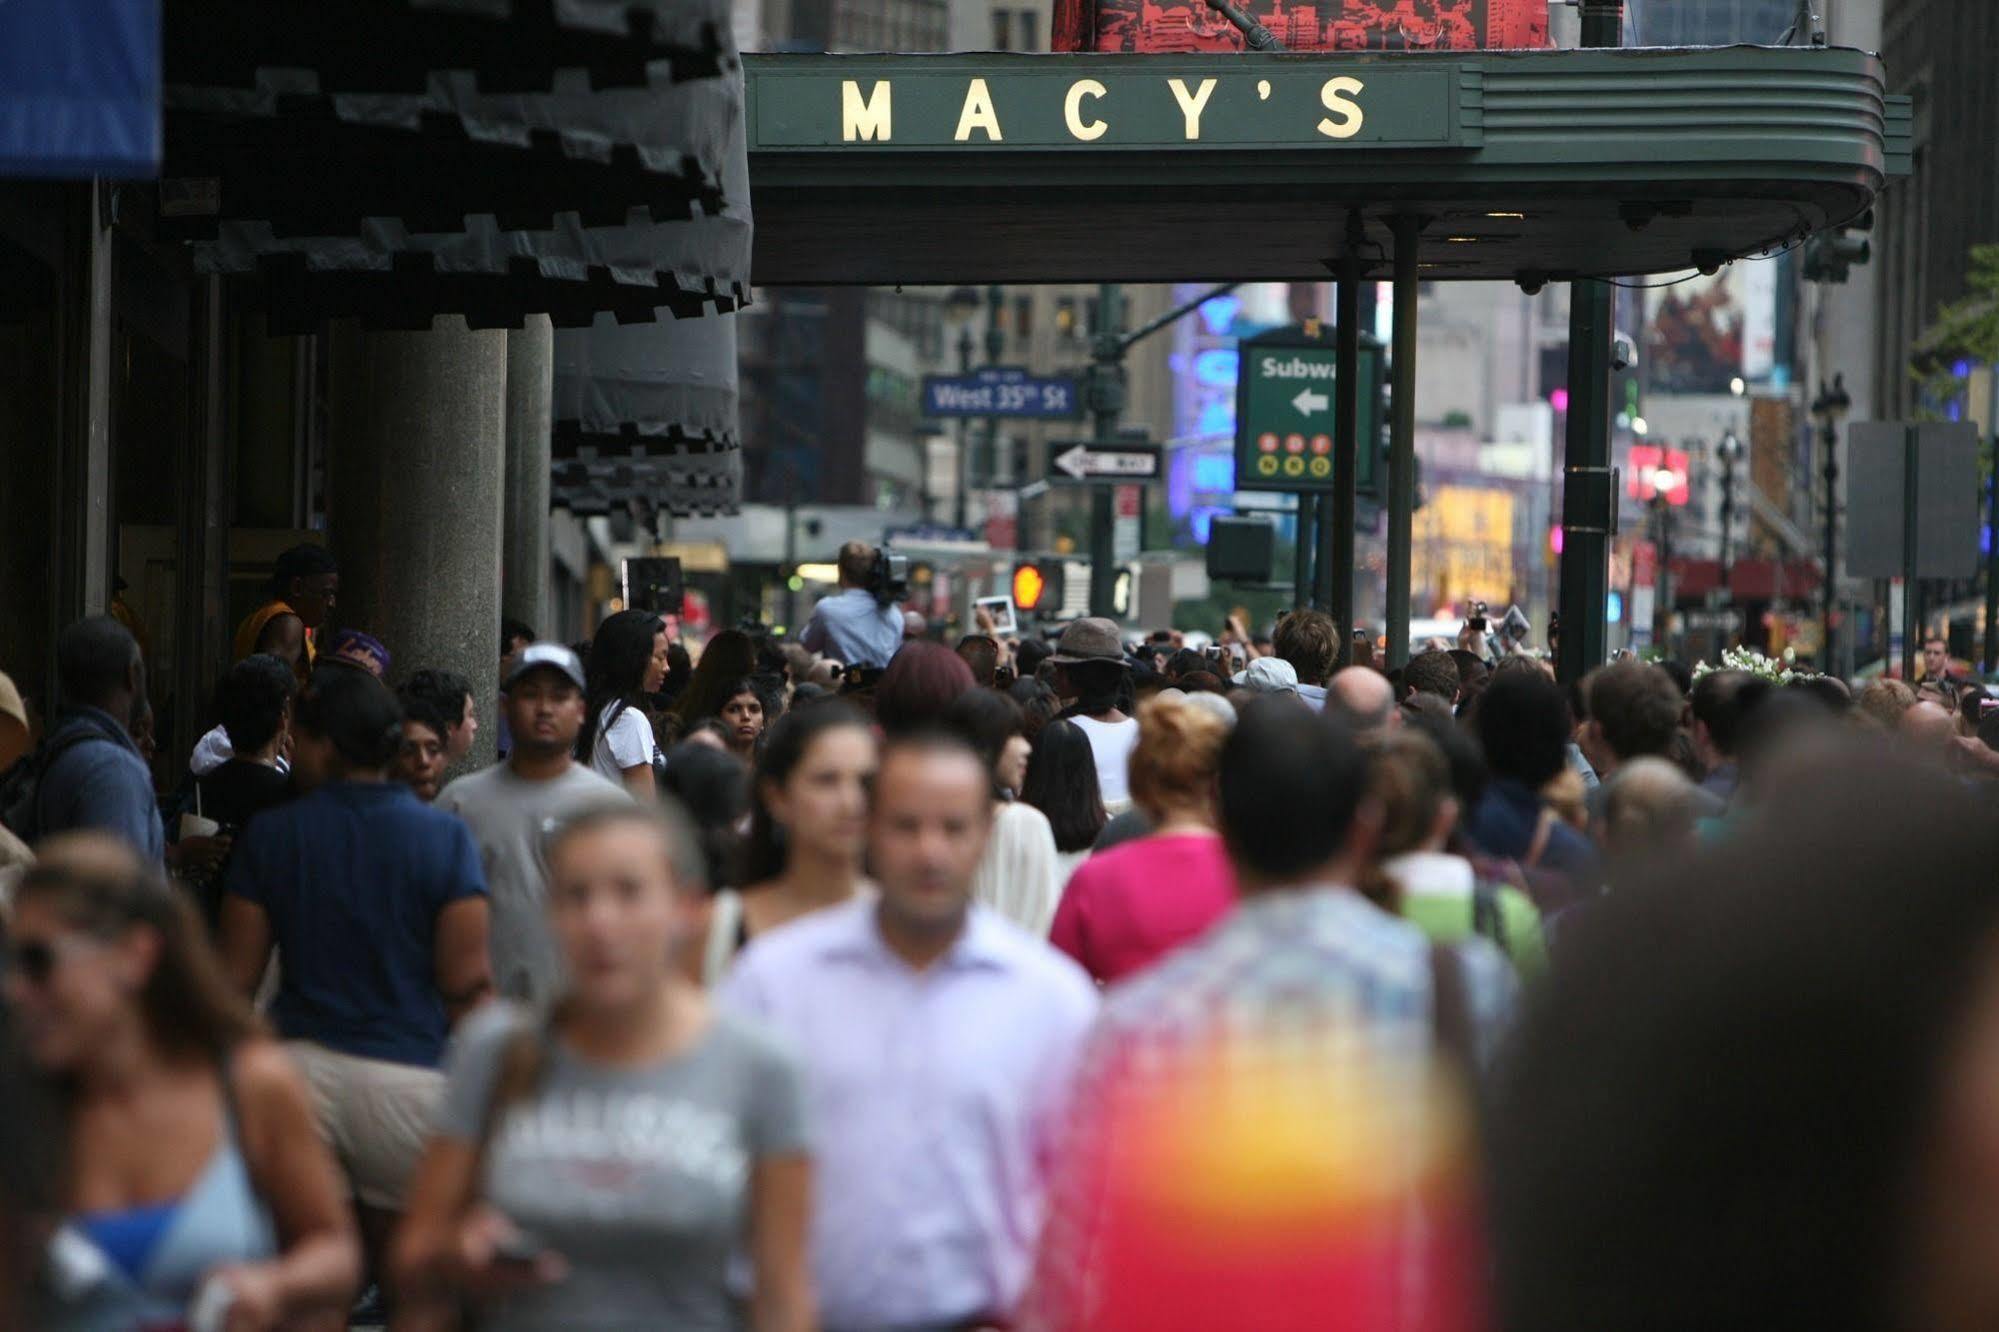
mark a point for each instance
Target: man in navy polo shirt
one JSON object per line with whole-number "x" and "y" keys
{"x": 377, "y": 905}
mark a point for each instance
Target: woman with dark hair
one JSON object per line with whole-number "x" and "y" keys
{"x": 729, "y": 656}
{"x": 921, "y": 682}
{"x": 1017, "y": 875}
{"x": 601, "y": 1165}
{"x": 1062, "y": 784}
{"x": 679, "y": 670}
{"x": 742, "y": 716}
{"x": 713, "y": 787}
{"x": 1774, "y": 1107}
{"x": 1091, "y": 673}
{"x": 625, "y": 664}
{"x": 1038, "y": 706}
{"x": 808, "y": 829}
{"x": 193, "y": 1176}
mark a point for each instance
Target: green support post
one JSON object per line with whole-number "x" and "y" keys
{"x": 1106, "y": 405}
{"x": 1336, "y": 552}
{"x": 1402, "y": 439}
{"x": 1588, "y": 498}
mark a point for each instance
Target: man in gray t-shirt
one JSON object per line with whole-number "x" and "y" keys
{"x": 637, "y": 1176}
{"x": 512, "y": 806}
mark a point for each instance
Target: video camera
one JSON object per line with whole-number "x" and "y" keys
{"x": 888, "y": 578}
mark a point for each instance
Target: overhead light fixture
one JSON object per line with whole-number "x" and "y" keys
{"x": 1508, "y": 217}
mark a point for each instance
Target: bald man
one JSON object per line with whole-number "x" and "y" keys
{"x": 1649, "y": 807}
{"x": 1363, "y": 699}
{"x": 1927, "y": 730}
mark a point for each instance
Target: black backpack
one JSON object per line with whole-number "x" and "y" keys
{"x": 21, "y": 785}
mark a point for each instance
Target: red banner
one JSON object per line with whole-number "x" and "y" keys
{"x": 1179, "y": 26}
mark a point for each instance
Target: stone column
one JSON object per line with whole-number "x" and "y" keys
{"x": 524, "y": 506}
{"x": 415, "y": 459}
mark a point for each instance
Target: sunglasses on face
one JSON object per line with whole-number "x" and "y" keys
{"x": 37, "y": 959}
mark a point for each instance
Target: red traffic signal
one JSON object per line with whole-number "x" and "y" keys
{"x": 1037, "y": 585}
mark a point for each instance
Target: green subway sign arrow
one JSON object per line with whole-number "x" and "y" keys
{"x": 1285, "y": 391}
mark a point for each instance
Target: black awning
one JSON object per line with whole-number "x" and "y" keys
{"x": 343, "y": 188}
{"x": 687, "y": 486}
{"x": 393, "y": 45}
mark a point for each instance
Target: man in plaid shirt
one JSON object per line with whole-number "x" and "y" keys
{"x": 1263, "y": 1134}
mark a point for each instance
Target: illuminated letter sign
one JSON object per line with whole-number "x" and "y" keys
{"x": 978, "y": 113}
{"x": 1192, "y": 104}
{"x": 1072, "y": 110}
{"x": 1348, "y": 111}
{"x": 865, "y": 120}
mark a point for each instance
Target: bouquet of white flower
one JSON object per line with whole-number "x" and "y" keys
{"x": 1754, "y": 662}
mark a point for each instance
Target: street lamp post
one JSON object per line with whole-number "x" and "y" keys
{"x": 1730, "y": 450}
{"x": 959, "y": 308}
{"x": 995, "y": 351}
{"x": 1828, "y": 409}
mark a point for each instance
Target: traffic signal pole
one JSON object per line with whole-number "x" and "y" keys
{"x": 1107, "y": 392}
{"x": 1588, "y": 498}
{"x": 1106, "y": 401}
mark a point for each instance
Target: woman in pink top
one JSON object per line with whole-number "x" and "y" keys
{"x": 1126, "y": 908}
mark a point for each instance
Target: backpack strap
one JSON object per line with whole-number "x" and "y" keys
{"x": 522, "y": 1061}
{"x": 1487, "y": 918}
{"x": 1544, "y": 829}
{"x": 1450, "y": 1013}
{"x": 725, "y": 936}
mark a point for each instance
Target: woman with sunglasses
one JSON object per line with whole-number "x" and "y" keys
{"x": 193, "y": 1184}
{"x": 598, "y": 1167}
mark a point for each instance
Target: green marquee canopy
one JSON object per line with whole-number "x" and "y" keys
{"x": 1529, "y": 165}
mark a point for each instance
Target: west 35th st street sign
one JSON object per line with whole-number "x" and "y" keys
{"x": 1095, "y": 104}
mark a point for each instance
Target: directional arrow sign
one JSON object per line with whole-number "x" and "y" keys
{"x": 1285, "y": 433}
{"x": 1081, "y": 462}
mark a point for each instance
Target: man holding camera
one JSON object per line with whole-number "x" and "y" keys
{"x": 855, "y": 625}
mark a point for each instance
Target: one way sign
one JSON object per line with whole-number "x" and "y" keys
{"x": 1081, "y": 462}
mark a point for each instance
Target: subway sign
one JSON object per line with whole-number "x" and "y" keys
{"x": 1038, "y": 104}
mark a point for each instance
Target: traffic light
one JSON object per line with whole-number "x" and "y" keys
{"x": 1831, "y": 255}
{"x": 1037, "y": 585}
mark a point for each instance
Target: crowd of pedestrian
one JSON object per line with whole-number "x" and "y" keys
{"x": 1084, "y": 984}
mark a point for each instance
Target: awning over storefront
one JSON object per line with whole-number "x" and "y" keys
{"x": 395, "y": 160}
{"x": 80, "y": 88}
{"x": 490, "y": 158}
{"x": 646, "y": 414}
{"x": 1535, "y": 166}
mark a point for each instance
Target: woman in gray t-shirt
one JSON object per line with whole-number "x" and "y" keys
{"x": 598, "y": 1169}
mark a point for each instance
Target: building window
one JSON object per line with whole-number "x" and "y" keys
{"x": 1030, "y": 36}
{"x": 1023, "y": 317}
{"x": 1002, "y": 30}
{"x": 1066, "y": 325}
